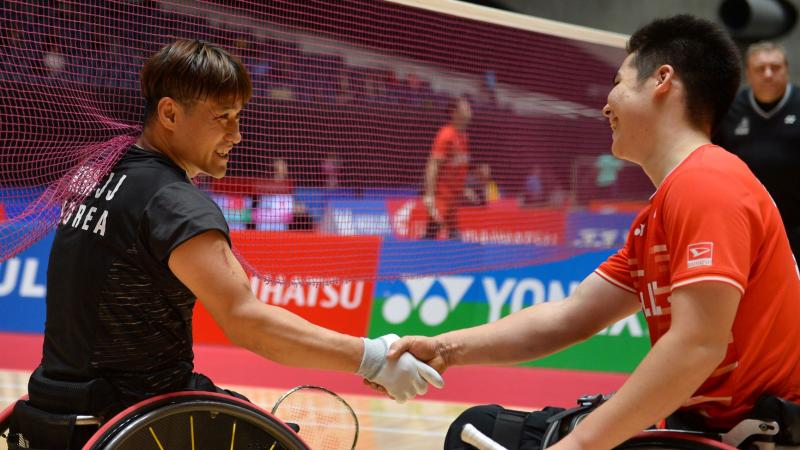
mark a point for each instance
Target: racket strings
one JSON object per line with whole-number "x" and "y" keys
{"x": 326, "y": 421}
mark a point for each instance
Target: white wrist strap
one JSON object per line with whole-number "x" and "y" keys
{"x": 374, "y": 357}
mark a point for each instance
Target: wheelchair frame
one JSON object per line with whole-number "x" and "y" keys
{"x": 140, "y": 418}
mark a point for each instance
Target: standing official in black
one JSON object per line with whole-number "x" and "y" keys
{"x": 763, "y": 129}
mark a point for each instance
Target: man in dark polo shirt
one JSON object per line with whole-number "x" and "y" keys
{"x": 762, "y": 127}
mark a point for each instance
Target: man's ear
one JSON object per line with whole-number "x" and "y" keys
{"x": 166, "y": 112}
{"x": 665, "y": 76}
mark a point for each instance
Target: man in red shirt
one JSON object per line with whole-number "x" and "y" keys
{"x": 446, "y": 172}
{"x": 707, "y": 261}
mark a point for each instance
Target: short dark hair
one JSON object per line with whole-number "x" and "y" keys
{"x": 455, "y": 102}
{"x": 190, "y": 70}
{"x": 765, "y": 46}
{"x": 703, "y": 56}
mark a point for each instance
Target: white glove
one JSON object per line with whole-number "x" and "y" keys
{"x": 403, "y": 378}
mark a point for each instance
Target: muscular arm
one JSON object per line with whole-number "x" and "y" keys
{"x": 541, "y": 329}
{"x": 207, "y": 266}
{"x": 697, "y": 341}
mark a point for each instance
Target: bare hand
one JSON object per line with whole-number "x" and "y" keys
{"x": 426, "y": 349}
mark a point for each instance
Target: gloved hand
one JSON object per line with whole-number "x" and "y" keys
{"x": 403, "y": 378}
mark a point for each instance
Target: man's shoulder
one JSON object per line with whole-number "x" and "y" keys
{"x": 711, "y": 167}
{"x": 148, "y": 172}
{"x": 183, "y": 191}
{"x": 742, "y": 102}
{"x": 145, "y": 161}
{"x": 794, "y": 97}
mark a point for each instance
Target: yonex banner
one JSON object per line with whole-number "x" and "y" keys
{"x": 23, "y": 288}
{"x": 433, "y": 305}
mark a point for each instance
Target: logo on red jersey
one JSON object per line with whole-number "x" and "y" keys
{"x": 700, "y": 254}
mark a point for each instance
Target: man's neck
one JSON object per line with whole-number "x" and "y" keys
{"x": 662, "y": 159}
{"x": 153, "y": 142}
{"x": 768, "y": 107}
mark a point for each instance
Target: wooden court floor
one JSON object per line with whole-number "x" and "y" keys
{"x": 385, "y": 424}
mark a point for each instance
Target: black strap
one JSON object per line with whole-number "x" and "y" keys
{"x": 95, "y": 397}
{"x": 508, "y": 428}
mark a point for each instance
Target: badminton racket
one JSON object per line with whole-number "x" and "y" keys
{"x": 326, "y": 420}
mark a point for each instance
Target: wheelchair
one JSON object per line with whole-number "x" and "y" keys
{"x": 181, "y": 420}
{"x": 781, "y": 431}
{"x": 776, "y": 427}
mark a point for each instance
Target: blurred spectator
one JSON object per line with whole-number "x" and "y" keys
{"x": 762, "y": 127}
{"x": 488, "y": 88}
{"x": 560, "y": 197}
{"x": 534, "y": 188}
{"x": 481, "y": 187}
{"x": 302, "y": 220}
{"x": 446, "y": 172}
{"x": 607, "y": 167}
{"x": 344, "y": 94}
{"x": 330, "y": 170}
{"x": 272, "y": 198}
{"x": 280, "y": 183}
{"x": 54, "y": 62}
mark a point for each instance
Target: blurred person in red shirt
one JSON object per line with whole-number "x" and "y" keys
{"x": 446, "y": 172}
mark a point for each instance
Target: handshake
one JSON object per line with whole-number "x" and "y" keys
{"x": 403, "y": 378}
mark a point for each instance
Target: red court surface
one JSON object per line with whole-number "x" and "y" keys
{"x": 478, "y": 384}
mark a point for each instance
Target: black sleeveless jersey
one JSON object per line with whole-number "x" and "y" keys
{"x": 114, "y": 308}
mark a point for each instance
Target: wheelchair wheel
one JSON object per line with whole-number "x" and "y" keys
{"x": 5, "y": 424}
{"x": 194, "y": 420}
{"x": 673, "y": 440}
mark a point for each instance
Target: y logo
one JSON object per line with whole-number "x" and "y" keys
{"x": 433, "y": 310}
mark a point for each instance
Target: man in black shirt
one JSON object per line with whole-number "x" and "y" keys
{"x": 762, "y": 127}
{"x": 128, "y": 261}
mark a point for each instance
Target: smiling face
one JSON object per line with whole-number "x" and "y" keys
{"x": 627, "y": 111}
{"x": 204, "y": 134}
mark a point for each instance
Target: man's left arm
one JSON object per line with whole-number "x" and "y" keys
{"x": 673, "y": 370}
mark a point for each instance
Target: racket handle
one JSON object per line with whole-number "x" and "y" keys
{"x": 475, "y": 438}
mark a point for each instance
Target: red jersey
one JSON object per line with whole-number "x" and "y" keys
{"x": 711, "y": 220}
{"x": 450, "y": 147}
